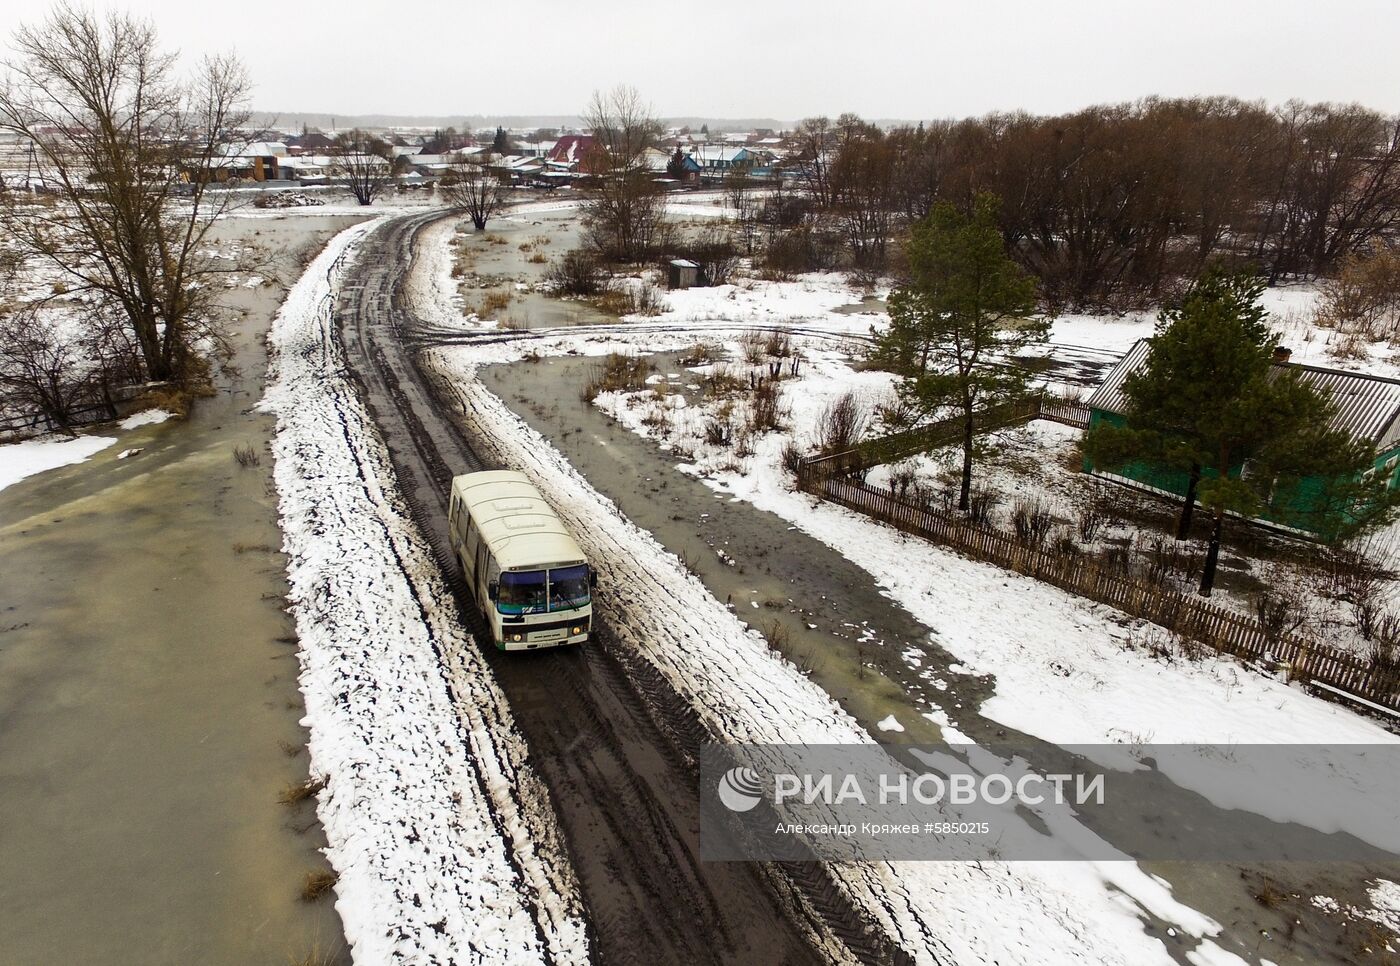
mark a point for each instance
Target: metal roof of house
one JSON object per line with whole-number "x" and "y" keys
{"x": 1368, "y": 407}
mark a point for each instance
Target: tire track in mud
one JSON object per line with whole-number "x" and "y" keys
{"x": 613, "y": 742}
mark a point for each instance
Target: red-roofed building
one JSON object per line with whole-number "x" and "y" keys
{"x": 572, "y": 150}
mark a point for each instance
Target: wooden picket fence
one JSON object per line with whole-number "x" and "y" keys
{"x": 1188, "y": 615}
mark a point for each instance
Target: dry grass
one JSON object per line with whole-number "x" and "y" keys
{"x": 253, "y": 548}
{"x": 618, "y": 372}
{"x": 296, "y": 794}
{"x": 246, "y": 455}
{"x": 494, "y": 302}
{"x": 318, "y": 956}
{"x": 317, "y": 883}
{"x": 702, "y": 354}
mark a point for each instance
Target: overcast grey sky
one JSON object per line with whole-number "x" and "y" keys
{"x": 783, "y": 59}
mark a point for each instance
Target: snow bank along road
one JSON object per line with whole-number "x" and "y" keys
{"x": 434, "y": 820}
{"x": 605, "y": 731}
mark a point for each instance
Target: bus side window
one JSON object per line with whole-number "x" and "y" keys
{"x": 470, "y": 543}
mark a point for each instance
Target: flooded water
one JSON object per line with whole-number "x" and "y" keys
{"x": 149, "y": 710}
{"x": 499, "y": 263}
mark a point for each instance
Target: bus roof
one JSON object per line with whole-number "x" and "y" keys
{"x": 521, "y": 530}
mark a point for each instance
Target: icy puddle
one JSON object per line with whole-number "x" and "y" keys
{"x": 828, "y": 616}
{"x": 148, "y": 692}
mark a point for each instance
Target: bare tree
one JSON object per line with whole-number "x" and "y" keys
{"x": 816, "y": 143}
{"x": 52, "y": 364}
{"x": 360, "y": 164}
{"x": 472, "y": 187}
{"x": 740, "y": 195}
{"x": 130, "y": 150}
{"x": 625, "y": 211}
{"x": 862, "y": 185}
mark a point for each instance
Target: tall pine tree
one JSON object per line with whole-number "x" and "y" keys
{"x": 956, "y": 325}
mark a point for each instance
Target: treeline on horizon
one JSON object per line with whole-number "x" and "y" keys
{"x": 1116, "y": 206}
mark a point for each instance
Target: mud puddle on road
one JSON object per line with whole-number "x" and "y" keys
{"x": 149, "y": 709}
{"x": 833, "y": 621}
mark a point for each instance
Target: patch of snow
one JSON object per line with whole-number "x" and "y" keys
{"x": 890, "y": 723}
{"x": 33, "y": 456}
{"x": 147, "y": 417}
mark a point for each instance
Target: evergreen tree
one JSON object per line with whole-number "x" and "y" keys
{"x": 956, "y": 325}
{"x": 501, "y": 144}
{"x": 676, "y": 166}
{"x": 1209, "y": 402}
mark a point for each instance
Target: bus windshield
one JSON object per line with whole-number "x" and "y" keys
{"x": 522, "y": 592}
{"x": 568, "y": 587}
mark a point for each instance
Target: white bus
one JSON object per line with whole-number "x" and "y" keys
{"x": 526, "y": 573}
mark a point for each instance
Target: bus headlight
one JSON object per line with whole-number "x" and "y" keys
{"x": 517, "y": 638}
{"x": 573, "y": 631}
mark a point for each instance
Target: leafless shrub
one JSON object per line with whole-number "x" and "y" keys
{"x": 1117, "y": 559}
{"x": 1363, "y": 300}
{"x": 1278, "y": 615}
{"x": 1064, "y": 545}
{"x": 644, "y": 299}
{"x": 1089, "y": 521}
{"x": 577, "y": 273}
{"x": 296, "y": 794}
{"x": 722, "y": 381}
{"x": 246, "y": 455}
{"x": 1031, "y": 521}
{"x": 791, "y": 457}
{"x": 1384, "y": 649}
{"x": 981, "y": 501}
{"x": 777, "y": 634}
{"x": 902, "y": 478}
{"x": 842, "y": 423}
{"x": 752, "y": 344}
{"x": 765, "y": 414}
{"x": 719, "y": 430}
{"x": 778, "y": 345}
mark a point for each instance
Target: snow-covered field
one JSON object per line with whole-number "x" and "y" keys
{"x": 440, "y": 833}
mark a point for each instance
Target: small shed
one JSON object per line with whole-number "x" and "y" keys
{"x": 682, "y": 273}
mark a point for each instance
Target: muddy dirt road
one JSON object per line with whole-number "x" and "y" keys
{"x": 611, "y": 741}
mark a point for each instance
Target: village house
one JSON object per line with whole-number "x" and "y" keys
{"x": 1367, "y": 408}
